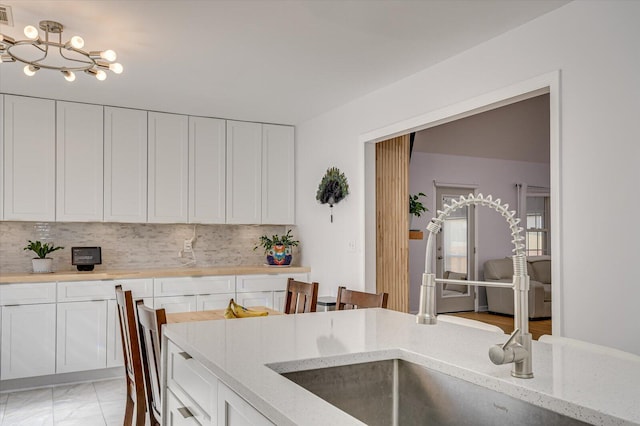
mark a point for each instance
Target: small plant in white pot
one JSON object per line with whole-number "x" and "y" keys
{"x": 278, "y": 248}
{"x": 416, "y": 208}
{"x": 42, "y": 263}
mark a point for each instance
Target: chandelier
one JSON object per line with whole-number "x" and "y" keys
{"x": 68, "y": 57}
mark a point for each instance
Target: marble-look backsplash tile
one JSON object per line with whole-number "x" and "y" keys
{"x": 131, "y": 246}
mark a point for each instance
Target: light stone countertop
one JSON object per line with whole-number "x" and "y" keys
{"x": 149, "y": 273}
{"x": 581, "y": 383}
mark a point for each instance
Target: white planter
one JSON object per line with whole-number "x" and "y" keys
{"x": 42, "y": 266}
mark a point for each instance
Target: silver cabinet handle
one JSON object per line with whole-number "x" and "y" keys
{"x": 185, "y": 355}
{"x": 185, "y": 412}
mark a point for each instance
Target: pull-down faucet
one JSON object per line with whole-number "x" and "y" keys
{"x": 517, "y": 349}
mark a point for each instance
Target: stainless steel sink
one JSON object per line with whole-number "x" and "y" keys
{"x": 397, "y": 392}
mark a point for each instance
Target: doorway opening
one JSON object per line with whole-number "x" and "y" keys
{"x": 547, "y": 84}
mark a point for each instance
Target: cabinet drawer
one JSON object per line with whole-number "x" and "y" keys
{"x": 194, "y": 285}
{"x": 179, "y": 414}
{"x": 27, "y": 294}
{"x": 85, "y": 290}
{"x": 191, "y": 382}
{"x": 266, "y": 282}
{"x": 141, "y": 288}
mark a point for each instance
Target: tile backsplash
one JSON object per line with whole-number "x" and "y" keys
{"x": 132, "y": 246}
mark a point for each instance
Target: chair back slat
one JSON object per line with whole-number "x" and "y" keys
{"x": 301, "y": 297}
{"x": 132, "y": 359}
{"x": 151, "y": 322}
{"x": 352, "y": 299}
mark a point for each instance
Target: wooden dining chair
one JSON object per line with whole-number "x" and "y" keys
{"x": 352, "y": 299}
{"x": 150, "y": 328}
{"x": 301, "y": 297}
{"x": 132, "y": 361}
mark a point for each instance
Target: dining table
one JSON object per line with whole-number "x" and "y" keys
{"x": 214, "y": 314}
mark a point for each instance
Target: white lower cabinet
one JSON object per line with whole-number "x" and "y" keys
{"x": 265, "y": 290}
{"x": 173, "y": 304}
{"x": 195, "y": 396}
{"x": 208, "y": 302}
{"x": 81, "y": 336}
{"x": 115, "y": 357}
{"x": 28, "y": 341}
{"x": 235, "y": 411}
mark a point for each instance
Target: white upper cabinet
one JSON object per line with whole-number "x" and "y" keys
{"x": 168, "y": 163}
{"x": 207, "y": 170}
{"x": 278, "y": 175}
{"x": 79, "y": 162}
{"x": 29, "y": 159}
{"x": 244, "y": 172}
{"x": 125, "y": 165}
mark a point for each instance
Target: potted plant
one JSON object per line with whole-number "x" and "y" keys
{"x": 42, "y": 263}
{"x": 416, "y": 208}
{"x": 277, "y": 248}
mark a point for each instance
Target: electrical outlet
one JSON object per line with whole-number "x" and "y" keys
{"x": 188, "y": 246}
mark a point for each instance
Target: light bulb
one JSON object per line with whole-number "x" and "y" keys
{"x": 101, "y": 75}
{"x": 108, "y": 55}
{"x": 30, "y": 70}
{"x": 69, "y": 75}
{"x": 77, "y": 42}
{"x": 31, "y": 32}
{"x": 116, "y": 68}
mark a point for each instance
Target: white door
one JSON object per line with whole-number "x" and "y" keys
{"x": 82, "y": 336}
{"x": 257, "y": 298}
{"x": 235, "y": 411}
{"x": 175, "y": 304}
{"x": 125, "y": 165}
{"x": 168, "y": 168}
{"x": 455, "y": 253}
{"x": 28, "y": 341}
{"x": 207, "y": 170}
{"x": 79, "y": 162}
{"x": 244, "y": 173}
{"x": 278, "y": 159}
{"x": 208, "y": 302}
{"x": 29, "y": 150}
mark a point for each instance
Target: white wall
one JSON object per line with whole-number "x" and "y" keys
{"x": 594, "y": 44}
{"x": 492, "y": 176}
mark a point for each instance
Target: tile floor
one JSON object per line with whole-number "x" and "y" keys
{"x": 92, "y": 403}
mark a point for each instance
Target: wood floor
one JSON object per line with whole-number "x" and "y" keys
{"x": 536, "y": 327}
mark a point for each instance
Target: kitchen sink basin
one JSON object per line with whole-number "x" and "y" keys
{"x": 399, "y": 392}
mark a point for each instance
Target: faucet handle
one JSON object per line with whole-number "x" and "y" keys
{"x": 510, "y": 339}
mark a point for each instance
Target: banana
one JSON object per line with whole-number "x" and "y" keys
{"x": 234, "y": 310}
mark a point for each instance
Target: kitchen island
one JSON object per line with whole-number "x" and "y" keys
{"x": 247, "y": 356}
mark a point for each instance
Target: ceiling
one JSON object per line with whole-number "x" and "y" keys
{"x": 258, "y": 60}
{"x": 517, "y": 132}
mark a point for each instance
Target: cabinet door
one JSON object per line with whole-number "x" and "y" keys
{"x": 235, "y": 411}
{"x": 28, "y": 341}
{"x": 125, "y": 165}
{"x": 279, "y": 299}
{"x": 256, "y": 298}
{"x": 176, "y": 304}
{"x": 244, "y": 172}
{"x": 208, "y": 302}
{"x": 207, "y": 170}
{"x": 278, "y": 193}
{"x": 29, "y": 150}
{"x": 168, "y": 168}
{"x": 82, "y": 336}
{"x": 115, "y": 357}
{"x": 79, "y": 162}
{"x": 178, "y": 414}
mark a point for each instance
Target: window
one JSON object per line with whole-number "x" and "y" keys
{"x": 537, "y": 232}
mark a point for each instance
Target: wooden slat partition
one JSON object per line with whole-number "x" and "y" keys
{"x": 392, "y": 221}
